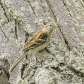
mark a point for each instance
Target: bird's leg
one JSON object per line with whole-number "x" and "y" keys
{"x": 43, "y": 56}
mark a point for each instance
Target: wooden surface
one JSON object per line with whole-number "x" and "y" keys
{"x": 20, "y": 19}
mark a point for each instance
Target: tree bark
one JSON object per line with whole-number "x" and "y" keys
{"x": 20, "y": 19}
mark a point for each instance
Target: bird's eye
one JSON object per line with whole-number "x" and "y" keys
{"x": 50, "y": 25}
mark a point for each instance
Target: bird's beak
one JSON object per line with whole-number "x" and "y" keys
{"x": 55, "y": 26}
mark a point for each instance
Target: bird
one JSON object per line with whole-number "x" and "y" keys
{"x": 37, "y": 42}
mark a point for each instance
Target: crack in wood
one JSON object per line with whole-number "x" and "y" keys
{"x": 32, "y": 8}
{"x": 65, "y": 40}
{"x": 52, "y": 10}
{"x": 4, "y": 10}
{"x": 66, "y": 8}
{"x": 5, "y": 71}
{"x": 4, "y": 34}
{"x": 16, "y": 29}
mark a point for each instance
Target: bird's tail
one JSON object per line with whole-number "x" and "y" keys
{"x": 17, "y": 61}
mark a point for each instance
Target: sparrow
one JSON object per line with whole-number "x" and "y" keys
{"x": 37, "y": 42}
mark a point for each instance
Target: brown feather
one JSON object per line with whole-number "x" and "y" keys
{"x": 39, "y": 38}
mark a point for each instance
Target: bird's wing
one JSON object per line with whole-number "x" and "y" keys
{"x": 39, "y": 38}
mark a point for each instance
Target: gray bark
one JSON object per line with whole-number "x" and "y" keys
{"x": 20, "y": 19}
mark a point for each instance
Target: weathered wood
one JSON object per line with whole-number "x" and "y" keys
{"x": 20, "y": 19}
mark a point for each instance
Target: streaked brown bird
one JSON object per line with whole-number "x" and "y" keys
{"x": 37, "y": 42}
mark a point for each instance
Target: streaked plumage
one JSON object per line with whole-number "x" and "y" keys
{"x": 39, "y": 38}
{"x": 37, "y": 42}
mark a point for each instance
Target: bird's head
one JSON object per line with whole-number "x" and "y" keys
{"x": 49, "y": 27}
